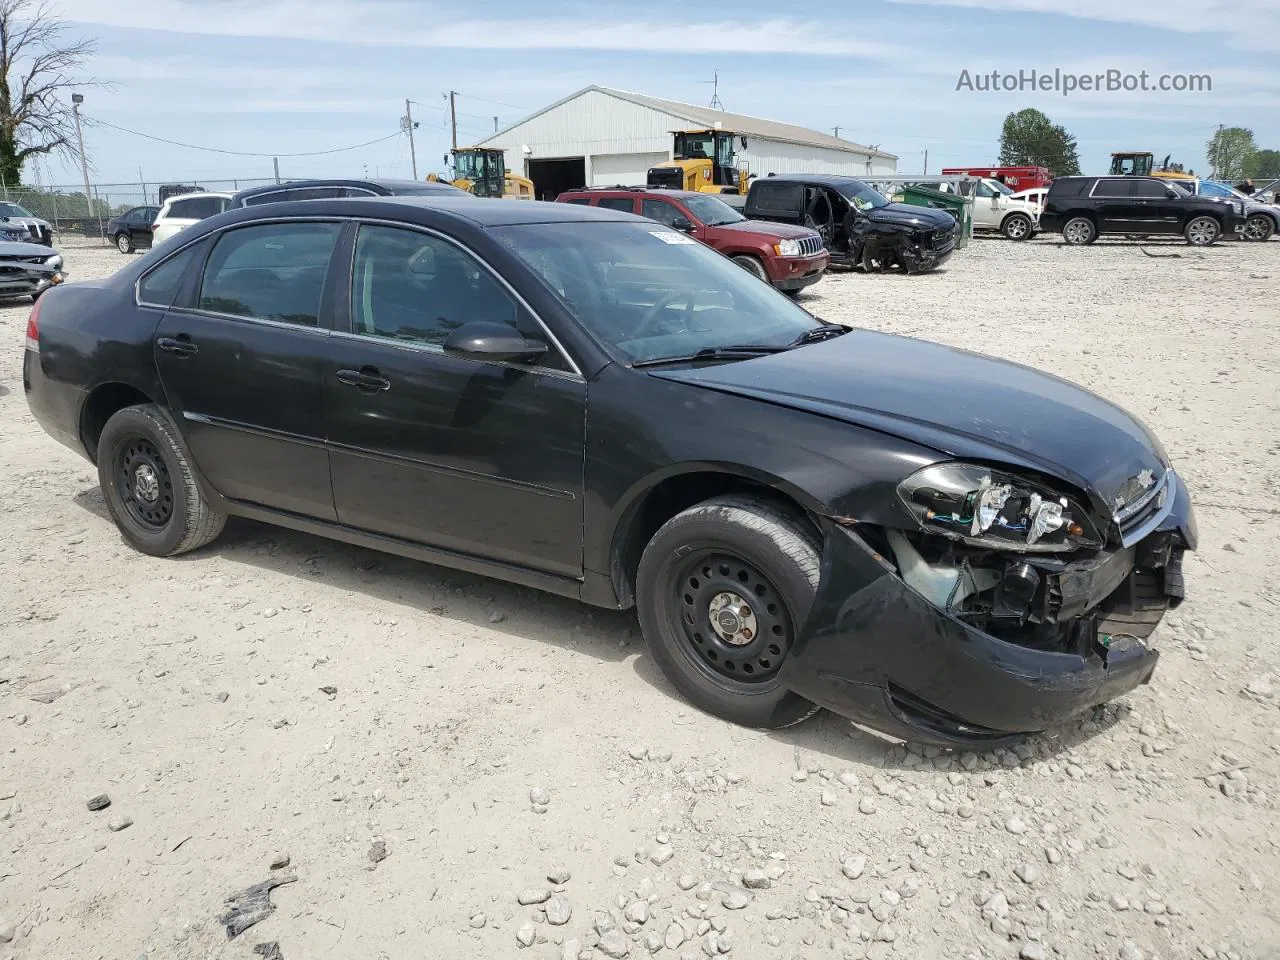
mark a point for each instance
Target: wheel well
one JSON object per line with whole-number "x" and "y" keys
{"x": 1087, "y": 214}
{"x": 668, "y": 498}
{"x": 100, "y": 406}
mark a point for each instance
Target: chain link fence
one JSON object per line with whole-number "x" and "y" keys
{"x": 73, "y": 214}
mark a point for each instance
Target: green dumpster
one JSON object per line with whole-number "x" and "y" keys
{"x": 957, "y": 206}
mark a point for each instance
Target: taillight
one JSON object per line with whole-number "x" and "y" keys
{"x": 33, "y": 326}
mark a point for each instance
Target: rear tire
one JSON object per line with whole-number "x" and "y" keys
{"x": 149, "y": 486}
{"x": 1079, "y": 231}
{"x": 124, "y": 243}
{"x": 752, "y": 265}
{"x": 721, "y": 591}
{"x": 1202, "y": 231}
{"x": 1017, "y": 226}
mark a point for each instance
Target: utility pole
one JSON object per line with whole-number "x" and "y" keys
{"x": 1217, "y": 149}
{"x": 495, "y": 124}
{"x": 926, "y": 159}
{"x": 409, "y": 125}
{"x": 142, "y": 182}
{"x": 275, "y": 165}
{"x": 836, "y": 132}
{"x": 453, "y": 117}
{"x": 76, "y": 100}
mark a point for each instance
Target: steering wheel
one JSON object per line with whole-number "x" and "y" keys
{"x": 653, "y": 315}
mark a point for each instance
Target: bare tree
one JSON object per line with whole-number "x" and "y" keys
{"x": 38, "y": 64}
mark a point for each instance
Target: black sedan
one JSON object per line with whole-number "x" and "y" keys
{"x": 132, "y": 229}
{"x": 940, "y": 545}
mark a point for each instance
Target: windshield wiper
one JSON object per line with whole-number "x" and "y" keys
{"x": 741, "y": 351}
{"x": 824, "y": 332}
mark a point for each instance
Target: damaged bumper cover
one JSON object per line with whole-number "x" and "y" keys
{"x": 877, "y": 652}
{"x": 28, "y": 270}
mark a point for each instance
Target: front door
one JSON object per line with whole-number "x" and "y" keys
{"x": 242, "y": 364}
{"x": 1155, "y": 209}
{"x": 1115, "y": 206}
{"x": 479, "y": 458}
{"x": 986, "y": 207}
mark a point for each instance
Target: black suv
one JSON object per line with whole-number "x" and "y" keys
{"x": 336, "y": 189}
{"x": 858, "y": 225}
{"x": 1084, "y": 208}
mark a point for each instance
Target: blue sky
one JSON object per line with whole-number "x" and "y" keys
{"x": 283, "y": 76}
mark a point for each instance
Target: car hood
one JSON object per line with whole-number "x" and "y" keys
{"x": 959, "y": 403}
{"x": 906, "y": 214}
{"x": 27, "y": 221}
{"x": 764, "y": 228}
{"x": 16, "y": 248}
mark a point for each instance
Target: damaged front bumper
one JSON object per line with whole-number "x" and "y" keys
{"x": 876, "y": 651}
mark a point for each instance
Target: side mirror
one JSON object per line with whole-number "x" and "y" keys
{"x": 683, "y": 224}
{"x": 486, "y": 340}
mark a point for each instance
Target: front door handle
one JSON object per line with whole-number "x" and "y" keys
{"x": 180, "y": 345}
{"x": 366, "y": 378}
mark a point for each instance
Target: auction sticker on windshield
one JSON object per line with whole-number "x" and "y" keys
{"x": 670, "y": 236}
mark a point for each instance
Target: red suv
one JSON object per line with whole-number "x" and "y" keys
{"x": 789, "y": 257}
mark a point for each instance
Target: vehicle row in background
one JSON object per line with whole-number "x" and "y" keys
{"x": 19, "y": 223}
{"x": 1085, "y": 208}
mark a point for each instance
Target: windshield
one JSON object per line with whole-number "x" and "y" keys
{"x": 712, "y": 210}
{"x": 1001, "y": 187}
{"x": 13, "y": 210}
{"x": 649, "y": 292}
{"x": 696, "y": 146}
{"x": 862, "y": 196}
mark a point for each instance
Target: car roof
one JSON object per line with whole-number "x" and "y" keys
{"x": 194, "y": 196}
{"x": 826, "y": 179}
{"x": 379, "y": 183}
{"x": 637, "y": 191}
{"x": 481, "y": 212}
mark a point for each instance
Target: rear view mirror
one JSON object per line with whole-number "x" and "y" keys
{"x": 682, "y": 223}
{"x": 486, "y": 340}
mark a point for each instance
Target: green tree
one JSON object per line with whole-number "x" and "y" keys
{"x": 1266, "y": 165}
{"x": 1231, "y": 153}
{"x": 1028, "y": 138}
{"x": 38, "y": 64}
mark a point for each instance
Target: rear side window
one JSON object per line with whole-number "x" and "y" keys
{"x": 197, "y": 208}
{"x": 775, "y": 199}
{"x": 580, "y": 201}
{"x": 1113, "y": 188}
{"x": 270, "y": 272}
{"x": 159, "y": 288}
{"x": 625, "y": 204}
{"x": 1068, "y": 188}
{"x": 302, "y": 193}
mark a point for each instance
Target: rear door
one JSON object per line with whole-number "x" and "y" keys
{"x": 242, "y": 358}
{"x": 480, "y": 458}
{"x": 779, "y": 200}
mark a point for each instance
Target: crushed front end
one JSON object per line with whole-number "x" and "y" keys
{"x": 28, "y": 270}
{"x": 1004, "y": 610}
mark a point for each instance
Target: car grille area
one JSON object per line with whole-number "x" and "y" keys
{"x": 810, "y": 246}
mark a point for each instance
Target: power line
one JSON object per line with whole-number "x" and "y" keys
{"x": 238, "y": 153}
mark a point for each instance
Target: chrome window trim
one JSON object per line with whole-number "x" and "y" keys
{"x": 1093, "y": 191}
{"x": 137, "y": 284}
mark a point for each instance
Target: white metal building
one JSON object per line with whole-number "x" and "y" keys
{"x": 601, "y": 137}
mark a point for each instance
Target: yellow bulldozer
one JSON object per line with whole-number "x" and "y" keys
{"x": 484, "y": 172}
{"x": 705, "y": 161}
{"x": 1139, "y": 163}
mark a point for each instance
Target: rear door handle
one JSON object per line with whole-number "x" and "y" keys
{"x": 366, "y": 378}
{"x": 180, "y": 345}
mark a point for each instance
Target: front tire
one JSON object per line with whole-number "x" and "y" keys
{"x": 1017, "y": 226}
{"x": 124, "y": 242}
{"x": 1079, "y": 231}
{"x": 149, "y": 486}
{"x": 752, "y": 266}
{"x": 1202, "y": 231}
{"x": 1259, "y": 227}
{"x": 721, "y": 591}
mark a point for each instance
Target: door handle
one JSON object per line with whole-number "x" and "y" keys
{"x": 366, "y": 378}
{"x": 180, "y": 345}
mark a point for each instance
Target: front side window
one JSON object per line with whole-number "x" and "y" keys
{"x": 984, "y": 190}
{"x": 418, "y": 288}
{"x": 270, "y": 272}
{"x": 661, "y": 211}
{"x": 1150, "y": 190}
{"x": 649, "y": 292}
{"x": 712, "y": 211}
{"x": 159, "y": 288}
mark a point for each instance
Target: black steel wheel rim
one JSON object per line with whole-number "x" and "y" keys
{"x": 143, "y": 483}
{"x": 736, "y": 626}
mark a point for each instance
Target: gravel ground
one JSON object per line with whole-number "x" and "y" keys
{"x": 453, "y": 767}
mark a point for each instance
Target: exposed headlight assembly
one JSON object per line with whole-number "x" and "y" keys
{"x": 987, "y": 508}
{"x": 54, "y": 261}
{"x": 787, "y": 248}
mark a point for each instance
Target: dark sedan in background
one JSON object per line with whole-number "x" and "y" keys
{"x": 132, "y": 229}
{"x": 940, "y": 545}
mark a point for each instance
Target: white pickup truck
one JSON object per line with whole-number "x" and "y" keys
{"x": 996, "y": 208}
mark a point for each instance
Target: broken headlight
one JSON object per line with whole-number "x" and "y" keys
{"x": 987, "y": 508}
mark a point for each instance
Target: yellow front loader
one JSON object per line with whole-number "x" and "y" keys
{"x": 705, "y": 161}
{"x": 484, "y": 173}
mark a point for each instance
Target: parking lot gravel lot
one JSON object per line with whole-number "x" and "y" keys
{"x": 453, "y": 767}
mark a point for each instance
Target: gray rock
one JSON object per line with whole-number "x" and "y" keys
{"x": 532, "y": 895}
{"x": 8, "y": 930}
{"x": 526, "y": 935}
{"x": 119, "y": 822}
{"x": 737, "y": 900}
{"x": 1033, "y": 951}
{"x": 755, "y": 879}
{"x": 726, "y": 941}
{"x": 1118, "y": 903}
{"x": 100, "y": 802}
{"x": 910, "y": 886}
{"x": 687, "y": 881}
{"x": 885, "y": 934}
{"x": 1129, "y": 951}
{"x": 1260, "y": 687}
{"x": 1028, "y": 873}
{"x": 661, "y": 856}
{"x": 854, "y": 866}
{"x": 614, "y": 944}
{"x": 603, "y": 923}
{"x": 496, "y": 617}
{"x": 539, "y": 796}
{"x": 828, "y": 797}
{"x": 570, "y": 949}
{"x": 867, "y": 805}
{"x": 279, "y": 860}
{"x": 558, "y": 875}
{"x": 653, "y": 941}
{"x": 1015, "y": 825}
{"x": 637, "y": 751}
{"x": 559, "y": 910}
{"x": 673, "y": 937}
{"x": 637, "y": 911}
{"x": 477, "y": 921}
{"x": 221, "y": 696}
{"x": 711, "y": 944}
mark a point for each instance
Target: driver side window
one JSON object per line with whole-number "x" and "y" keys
{"x": 985, "y": 191}
{"x": 419, "y": 288}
